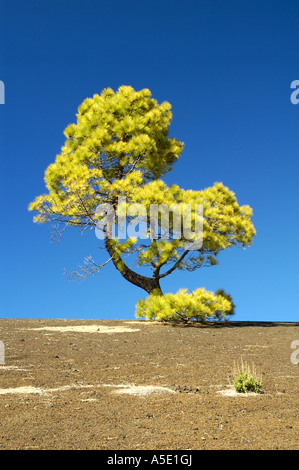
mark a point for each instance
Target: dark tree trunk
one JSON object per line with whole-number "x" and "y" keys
{"x": 147, "y": 283}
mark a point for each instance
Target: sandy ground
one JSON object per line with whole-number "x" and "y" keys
{"x": 115, "y": 384}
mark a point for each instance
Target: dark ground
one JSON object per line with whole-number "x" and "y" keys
{"x": 194, "y": 362}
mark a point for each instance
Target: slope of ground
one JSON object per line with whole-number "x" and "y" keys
{"x": 115, "y": 384}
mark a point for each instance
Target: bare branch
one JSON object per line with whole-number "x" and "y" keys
{"x": 56, "y": 233}
{"x": 83, "y": 271}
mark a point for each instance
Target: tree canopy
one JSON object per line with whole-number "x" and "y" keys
{"x": 120, "y": 149}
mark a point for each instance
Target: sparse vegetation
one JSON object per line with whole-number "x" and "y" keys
{"x": 247, "y": 383}
{"x": 246, "y": 378}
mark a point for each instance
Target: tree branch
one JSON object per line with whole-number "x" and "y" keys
{"x": 144, "y": 282}
{"x": 89, "y": 267}
{"x": 176, "y": 264}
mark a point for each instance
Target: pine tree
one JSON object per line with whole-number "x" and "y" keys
{"x": 116, "y": 154}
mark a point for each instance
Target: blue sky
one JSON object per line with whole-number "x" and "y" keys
{"x": 226, "y": 68}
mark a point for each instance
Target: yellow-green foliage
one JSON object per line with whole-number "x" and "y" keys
{"x": 225, "y": 223}
{"x": 119, "y": 146}
{"x": 246, "y": 378}
{"x": 115, "y": 134}
{"x": 183, "y": 306}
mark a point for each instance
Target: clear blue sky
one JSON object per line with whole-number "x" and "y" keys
{"x": 226, "y": 68}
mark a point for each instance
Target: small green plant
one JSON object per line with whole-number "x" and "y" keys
{"x": 246, "y": 378}
{"x": 246, "y": 383}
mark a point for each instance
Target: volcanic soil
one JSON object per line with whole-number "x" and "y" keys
{"x": 123, "y": 385}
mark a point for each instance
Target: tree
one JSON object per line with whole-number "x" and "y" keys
{"x": 116, "y": 154}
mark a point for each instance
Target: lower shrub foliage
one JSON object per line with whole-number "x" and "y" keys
{"x": 247, "y": 383}
{"x": 199, "y": 305}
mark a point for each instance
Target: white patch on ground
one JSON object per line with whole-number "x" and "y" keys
{"x": 248, "y": 347}
{"x": 128, "y": 389}
{"x": 287, "y": 376}
{"x": 87, "y": 329}
{"x": 139, "y": 390}
{"x": 11, "y": 368}
{"x": 20, "y": 390}
{"x": 231, "y": 392}
{"x": 28, "y": 389}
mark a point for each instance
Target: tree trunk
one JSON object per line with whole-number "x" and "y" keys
{"x": 149, "y": 284}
